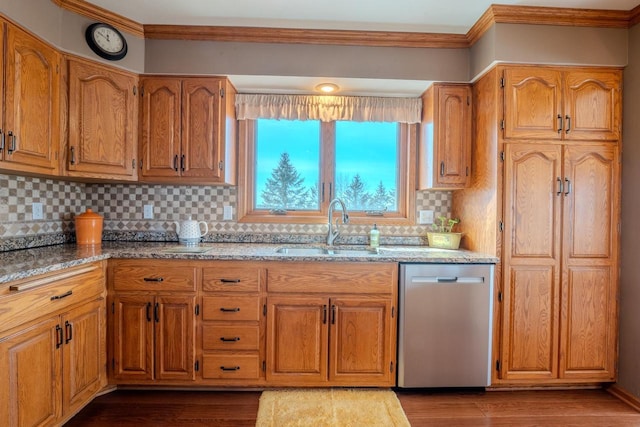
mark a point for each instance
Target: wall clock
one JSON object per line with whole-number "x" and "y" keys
{"x": 106, "y": 41}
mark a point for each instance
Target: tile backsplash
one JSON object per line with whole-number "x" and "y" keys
{"x": 122, "y": 207}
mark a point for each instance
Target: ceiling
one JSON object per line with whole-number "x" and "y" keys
{"x": 428, "y": 16}
{"x": 449, "y": 16}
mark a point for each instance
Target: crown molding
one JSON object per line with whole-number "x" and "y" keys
{"x": 493, "y": 15}
{"x": 97, "y": 13}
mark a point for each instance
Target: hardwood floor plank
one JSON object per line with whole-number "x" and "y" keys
{"x": 428, "y": 408}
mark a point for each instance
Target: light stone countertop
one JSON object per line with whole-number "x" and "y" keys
{"x": 21, "y": 264}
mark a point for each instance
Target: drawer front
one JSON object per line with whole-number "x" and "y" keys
{"x": 336, "y": 278}
{"x": 231, "y": 278}
{"x": 231, "y": 367}
{"x": 153, "y": 276}
{"x": 51, "y": 293}
{"x": 231, "y": 308}
{"x": 216, "y": 337}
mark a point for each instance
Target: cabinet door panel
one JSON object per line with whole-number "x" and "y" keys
{"x": 453, "y": 147}
{"x": 175, "y": 338}
{"x": 160, "y": 132}
{"x": 361, "y": 343}
{"x": 200, "y": 127}
{"x": 31, "y": 101}
{"x": 532, "y": 103}
{"x": 297, "y": 336}
{"x": 592, "y": 105}
{"x": 133, "y": 343}
{"x": 84, "y": 355}
{"x": 30, "y": 384}
{"x": 530, "y": 323}
{"x": 102, "y": 121}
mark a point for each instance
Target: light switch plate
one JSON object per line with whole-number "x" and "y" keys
{"x": 227, "y": 213}
{"x": 37, "y": 211}
{"x": 426, "y": 217}
{"x": 148, "y": 211}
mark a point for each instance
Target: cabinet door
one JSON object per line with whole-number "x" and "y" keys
{"x": 453, "y": 140}
{"x": 592, "y": 105}
{"x": 160, "y": 127}
{"x": 175, "y": 338}
{"x": 590, "y": 259}
{"x": 102, "y": 122}
{"x": 32, "y": 124}
{"x": 84, "y": 355}
{"x": 201, "y": 142}
{"x": 362, "y": 344}
{"x": 532, "y": 103}
{"x": 133, "y": 337}
{"x": 297, "y": 339}
{"x": 30, "y": 384}
{"x": 532, "y": 244}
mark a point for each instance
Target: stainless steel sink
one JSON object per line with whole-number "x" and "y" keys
{"x": 325, "y": 251}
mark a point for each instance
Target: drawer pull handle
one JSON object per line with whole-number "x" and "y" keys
{"x": 230, "y": 310}
{"x": 230, "y": 280}
{"x": 233, "y": 368}
{"x": 153, "y": 279}
{"x": 66, "y": 294}
{"x": 234, "y": 339}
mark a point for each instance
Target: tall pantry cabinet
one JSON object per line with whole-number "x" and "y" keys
{"x": 551, "y": 185}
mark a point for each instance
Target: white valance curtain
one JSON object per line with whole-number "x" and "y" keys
{"x": 328, "y": 108}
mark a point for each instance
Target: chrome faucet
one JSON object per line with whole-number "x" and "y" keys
{"x": 333, "y": 232}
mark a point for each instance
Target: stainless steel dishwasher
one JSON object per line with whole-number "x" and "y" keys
{"x": 445, "y": 319}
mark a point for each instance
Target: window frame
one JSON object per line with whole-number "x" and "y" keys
{"x": 407, "y": 137}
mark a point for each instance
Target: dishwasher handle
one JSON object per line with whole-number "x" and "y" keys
{"x": 446, "y": 279}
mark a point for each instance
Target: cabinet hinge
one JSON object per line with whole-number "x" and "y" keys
{"x": 264, "y": 309}
{"x": 220, "y": 165}
{"x": 113, "y": 364}
{"x": 133, "y": 164}
{"x": 142, "y": 91}
{"x": 135, "y": 91}
{"x": 393, "y": 312}
{"x": 502, "y": 124}
{"x": 197, "y": 309}
{"x": 501, "y": 226}
{"x": 468, "y": 100}
{"x": 140, "y": 164}
{"x": 499, "y": 296}
{"x": 222, "y": 93}
{"x": 502, "y": 82}
{"x": 498, "y": 365}
{"x": 57, "y": 69}
{"x": 197, "y": 366}
{"x": 391, "y": 367}
{"x": 264, "y": 366}
{"x": 113, "y": 308}
{"x": 467, "y": 171}
{"x": 502, "y": 156}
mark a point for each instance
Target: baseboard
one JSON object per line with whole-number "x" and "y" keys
{"x": 625, "y": 396}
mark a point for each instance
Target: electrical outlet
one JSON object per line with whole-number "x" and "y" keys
{"x": 36, "y": 210}
{"x": 426, "y": 217}
{"x": 148, "y": 211}
{"x": 227, "y": 213}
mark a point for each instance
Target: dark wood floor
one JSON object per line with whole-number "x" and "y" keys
{"x": 583, "y": 408}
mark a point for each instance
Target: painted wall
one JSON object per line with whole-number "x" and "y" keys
{"x": 629, "y": 361}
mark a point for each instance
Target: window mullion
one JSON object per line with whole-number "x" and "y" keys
{"x": 327, "y": 163}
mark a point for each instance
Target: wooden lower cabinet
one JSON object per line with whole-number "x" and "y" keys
{"x": 53, "y": 366}
{"x": 330, "y": 333}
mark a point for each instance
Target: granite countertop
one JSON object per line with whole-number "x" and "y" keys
{"x": 20, "y": 264}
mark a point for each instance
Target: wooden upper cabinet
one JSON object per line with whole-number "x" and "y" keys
{"x": 559, "y": 104}
{"x": 188, "y": 130}
{"x": 103, "y": 117}
{"x": 444, "y": 155}
{"x": 30, "y": 130}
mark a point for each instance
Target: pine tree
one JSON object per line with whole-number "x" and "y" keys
{"x": 355, "y": 194}
{"x": 284, "y": 189}
{"x": 381, "y": 198}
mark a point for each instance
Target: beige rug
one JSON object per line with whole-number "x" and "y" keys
{"x": 330, "y": 408}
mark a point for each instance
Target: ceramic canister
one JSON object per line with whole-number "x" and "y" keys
{"x": 88, "y": 228}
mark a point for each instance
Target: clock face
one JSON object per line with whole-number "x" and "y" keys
{"x": 106, "y": 41}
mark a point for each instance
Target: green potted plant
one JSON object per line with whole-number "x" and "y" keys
{"x": 442, "y": 234}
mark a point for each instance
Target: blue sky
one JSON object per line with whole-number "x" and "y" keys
{"x": 361, "y": 148}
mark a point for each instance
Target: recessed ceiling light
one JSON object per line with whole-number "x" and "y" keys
{"x": 327, "y": 87}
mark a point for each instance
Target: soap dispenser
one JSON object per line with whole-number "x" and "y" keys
{"x": 374, "y": 237}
